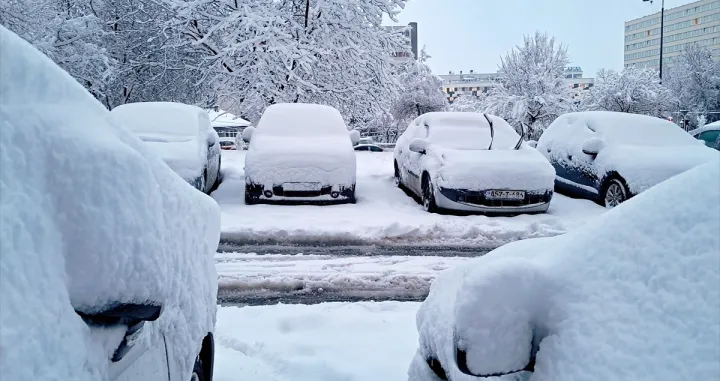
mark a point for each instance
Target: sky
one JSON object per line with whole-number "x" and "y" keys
{"x": 474, "y": 34}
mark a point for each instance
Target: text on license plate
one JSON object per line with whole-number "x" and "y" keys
{"x": 301, "y": 186}
{"x": 504, "y": 195}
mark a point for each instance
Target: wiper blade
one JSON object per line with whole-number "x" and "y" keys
{"x": 492, "y": 130}
{"x": 522, "y": 135}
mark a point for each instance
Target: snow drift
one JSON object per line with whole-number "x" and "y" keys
{"x": 632, "y": 295}
{"x": 90, "y": 217}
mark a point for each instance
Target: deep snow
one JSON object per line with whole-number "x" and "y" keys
{"x": 383, "y": 214}
{"x": 632, "y": 295}
{"x": 324, "y": 342}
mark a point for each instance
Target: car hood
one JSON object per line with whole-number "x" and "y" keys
{"x": 186, "y": 158}
{"x": 644, "y": 167}
{"x": 275, "y": 160}
{"x": 523, "y": 169}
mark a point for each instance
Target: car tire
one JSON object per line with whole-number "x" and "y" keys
{"x": 615, "y": 193}
{"x": 249, "y": 199}
{"x": 198, "y": 373}
{"x": 397, "y": 178}
{"x": 428, "y": 195}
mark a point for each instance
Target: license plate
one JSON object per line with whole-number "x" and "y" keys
{"x": 504, "y": 195}
{"x": 294, "y": 187}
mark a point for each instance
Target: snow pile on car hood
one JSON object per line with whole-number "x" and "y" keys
{"x": 633, "y": 293}
{"x": 523, "y": 169}
{"x": 175, "y": 131}
{"x": 301, "y": 143}
{"x": 90, "y": 217}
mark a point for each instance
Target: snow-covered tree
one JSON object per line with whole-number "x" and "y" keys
{"x": 531, "y": 89}
{"x": 259, "y": 52}
{"x": 633, "y": 90}
{"x": 694, "y": 78}
{"x": 468, "y": 103}
{"x": 420, "y": 92}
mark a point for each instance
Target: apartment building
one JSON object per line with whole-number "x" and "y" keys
{"x": 412, "y": 34}
{"x": 694, "y": 23}
{"x": 476, "y": 84}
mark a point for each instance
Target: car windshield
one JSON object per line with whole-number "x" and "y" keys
{"x": 226, "y": 143}
{"x": 638, "y": 130}
{"x": 709, "y": 137}
{"x": 301, "y": 120}
{"x": 460, "y": 137}
{"x": 159, "y": 121}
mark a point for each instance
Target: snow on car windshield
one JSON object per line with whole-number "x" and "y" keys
{"x": 160, "y": 121}
{"x": 631, "y": 129}
{"x": 469, "y": 131}
{"x": 299, "y": 119}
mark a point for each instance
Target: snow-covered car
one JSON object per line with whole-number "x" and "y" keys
{"x": 632, "y": 295}
{"x": 228, "y": 144}
{"x": 609, "y": 157}
{"x": 708, "y": 134}
{"x": 369, "y": 147}
{"x": 107, "y": 268}
{"x": 299, "y": 153}
{"x": 181, "y": 134}
{"x": 366, "y": 140}
{"x": 472, "y": 162}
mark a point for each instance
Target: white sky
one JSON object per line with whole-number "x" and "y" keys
{"x": 473, "y": 34}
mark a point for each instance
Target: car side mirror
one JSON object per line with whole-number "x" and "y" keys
{"x": 211, "y": 139}
{"x": 247, "y": 134}
{"x": 132, "y": 315}
{"x": 354, "y": 137}
{"x": 593, "y": 146}
{"x": 419, "y": 145}
{"x": 532, "y": 143}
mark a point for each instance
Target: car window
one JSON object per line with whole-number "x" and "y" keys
{"x": 375, "y": 149}
{"x": 709, "y": 137}
{"x": 363, "y": 148}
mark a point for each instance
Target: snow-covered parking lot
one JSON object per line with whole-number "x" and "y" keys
{"x": 383, "y": 214}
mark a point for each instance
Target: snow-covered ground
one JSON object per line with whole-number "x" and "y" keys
{"x": 250, "y": 277}
{"x": 383, "y": 214}
{"x": 322, "y": 342}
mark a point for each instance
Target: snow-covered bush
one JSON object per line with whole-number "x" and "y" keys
{"x": 632, "y": 295}
{"x": 636, "y": 91}
{"x": 531, "y": 86}
{"x": 467, "y": 103}
{"x": 420, "y": 92}
{"x": 89, "y": 217}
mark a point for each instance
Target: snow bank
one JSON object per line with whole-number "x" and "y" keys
{"x": 90, "y": 217}
{"x": 301, "y": 143}
{"x": 322, "y": 342}
{"x": 633, "y": 293}
{"x": 383, "y": 214}
{"x": 643, "y": 150}
{"x": 175, "y": 131}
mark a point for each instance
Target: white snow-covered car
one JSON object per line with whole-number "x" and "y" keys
{"x": 472, "y": 162}
{"x": 300, "y": 153}
{"x": 632, "y": 295}
{"x": 609, "y": 157}
{"x": 228, "y": 143}
{"x": 107, "y": 268}
{"x": 181, "y": 134}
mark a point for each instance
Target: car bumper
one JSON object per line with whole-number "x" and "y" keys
{"x": 276, "y": 194}
{"x": 474, "y": 201}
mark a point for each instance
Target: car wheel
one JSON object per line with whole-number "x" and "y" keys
{"x": 397, "y": 179}
{"x": 249, "y": 199}
{"x": 615, "y": 193}
{"x": 428, "y": 195}
{"x": 198, "y": 373}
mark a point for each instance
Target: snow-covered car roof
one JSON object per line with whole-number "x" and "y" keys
{"x": 301, "y": 119}
{"x": 469, "y": 130}
{"x": 632, "y": 293}
{"x": 622, "y": 128}
{"x": 166, "y": 119}
{"x": 90, "y": 217}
